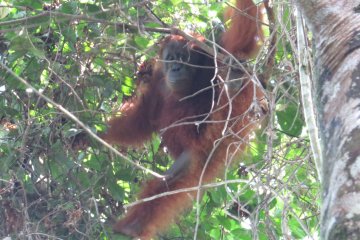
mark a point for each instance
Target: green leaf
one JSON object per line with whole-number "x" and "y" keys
{"x": 32, "y": 4}
{"x": 218, "y": 195}
{"x": 224, "y": 221}
{"x": 24, "y": 44}
{"x": 69, "y": 35}
{"x": 37, "y": 53}
{"x": 69, "y": 7}
{"x": 116, "y": 191}
{"x": 20, "y": 43}
{"x": 84, "y": 179}
{"x": 296, "y": 228}
{"x": 142, "y": 42}
{"x": 93, "y": 163}
{"x": 215, "y": 233}
{"x": 8, "y": 111}
{"x": 241, "y": 233}
{"x": 35, "y": 68}
{"x": 290, "y": 120}
{"x": 126, "y": 90}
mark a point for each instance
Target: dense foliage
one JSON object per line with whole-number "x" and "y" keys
{"x": 83, "y": 55}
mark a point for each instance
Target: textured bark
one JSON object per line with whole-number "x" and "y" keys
{"x": 336, "y": 28}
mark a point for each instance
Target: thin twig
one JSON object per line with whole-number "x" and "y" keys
{"x": 81, "y": 124}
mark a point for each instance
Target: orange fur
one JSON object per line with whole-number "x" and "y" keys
{"x": 243, "y": 36}
{"x": 155, "y": 108}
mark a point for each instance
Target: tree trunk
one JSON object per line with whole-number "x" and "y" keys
{"x": 335, "y": 25}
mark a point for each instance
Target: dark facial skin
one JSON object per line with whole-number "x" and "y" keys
{"x": 180, "y": 67}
